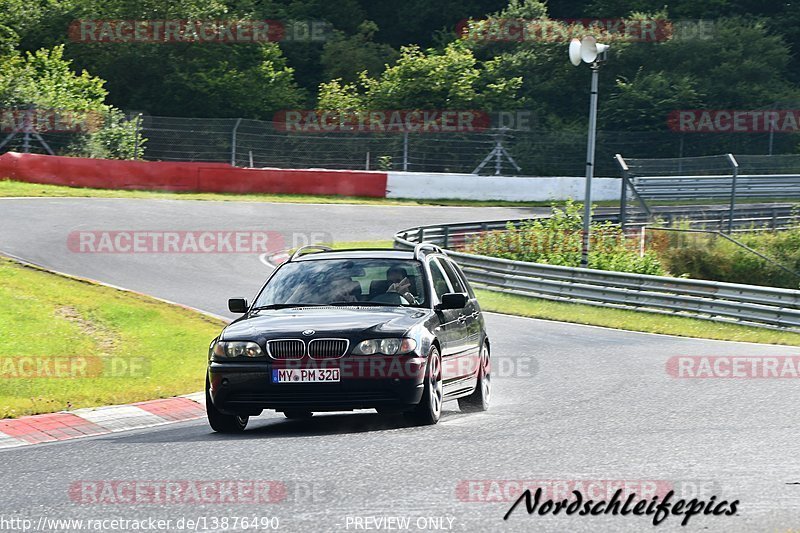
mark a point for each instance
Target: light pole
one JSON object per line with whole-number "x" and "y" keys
{"x": 589, "y": 51}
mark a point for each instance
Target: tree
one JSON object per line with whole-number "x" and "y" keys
{"x": 362, "y": 53}
{"x": 44, "y": 80}
{"x": 645, "y": 102}
{"x": 450, "y": 79}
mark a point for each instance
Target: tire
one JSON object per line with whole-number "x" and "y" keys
{"x": 298, "y": 414}
{"x": 429, "y": 409}
{"x": 478, "y": 401}
{"x": 222, "y": 423}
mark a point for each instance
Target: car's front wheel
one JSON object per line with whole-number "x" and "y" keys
{"x": 479, "y": 400}
{"x": 220, "y": 422}
{"x": 429, "y": 409}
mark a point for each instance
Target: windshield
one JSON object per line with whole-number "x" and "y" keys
{"x": 388, "y": 282}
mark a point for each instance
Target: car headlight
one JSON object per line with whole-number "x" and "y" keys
{"x": 391, "y": 346}
{"x": 237, "y": 349}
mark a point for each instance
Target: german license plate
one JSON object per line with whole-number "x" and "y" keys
{"x": 306, "y": 375}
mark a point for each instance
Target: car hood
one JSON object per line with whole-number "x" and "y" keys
{"x": 343, "y": 321}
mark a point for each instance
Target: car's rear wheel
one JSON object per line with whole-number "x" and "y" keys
{"x": 297, "y": 414}
{"x": 479, "y": 400}
{"x": 429, "y": 409}
{"x": 220, "y": 422}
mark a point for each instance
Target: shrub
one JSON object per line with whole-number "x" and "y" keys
{"x": 557, "y": 241}
{"x": 707, "y": 256}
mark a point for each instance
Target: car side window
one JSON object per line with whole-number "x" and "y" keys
{"x": 440, "y": 284}
{"x": 455, "y": 280}
{"x": 463, "y": 278}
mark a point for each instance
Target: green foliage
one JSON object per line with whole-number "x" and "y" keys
{"x": 715, "y": 258}
{"x": 749, "y": 65}
{"x": 117, "y": 139}
{"x": 557, "y": 240}
{"x": 645, "y": 102}
{"x": 385, "y": 162}
{"x": 45, "y": 80}
{"x": 227, "y": 88}
{"x": 450, "y": 79}
{"x": 362, "y": 53}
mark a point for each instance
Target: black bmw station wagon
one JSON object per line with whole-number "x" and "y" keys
{"x": 332, "y": 330}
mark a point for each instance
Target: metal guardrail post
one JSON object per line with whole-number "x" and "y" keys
{"x": 136, "y": 134}
{"x": 233, "y": 142}
{"x": 623, "y": 198}
{"x": 405, "y": 151}
{"x": 734, "y": 176}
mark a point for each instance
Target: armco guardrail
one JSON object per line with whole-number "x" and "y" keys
{"x": 694, "y": 187}
{"x": 724, "y": 302}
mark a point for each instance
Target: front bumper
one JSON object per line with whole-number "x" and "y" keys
{"x": 247, "y": 387}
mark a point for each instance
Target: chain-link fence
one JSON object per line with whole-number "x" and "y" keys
{"x": 529, "y": 152}
{"x": 536, "y": 152}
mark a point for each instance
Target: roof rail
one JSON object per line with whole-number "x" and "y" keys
{"x": 309, "y": 247}
{"x": 425, "y": 246}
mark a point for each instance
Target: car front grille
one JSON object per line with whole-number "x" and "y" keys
{"x": 286, "y": 349}
{"x": 327, "y": 348}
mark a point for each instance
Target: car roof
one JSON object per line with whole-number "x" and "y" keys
{"x": 361, "y": 253}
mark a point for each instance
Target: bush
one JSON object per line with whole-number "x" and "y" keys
{"x": 705, "y": 256}
{"x": 116, "y": 139}
{"x": 557, "y": 241}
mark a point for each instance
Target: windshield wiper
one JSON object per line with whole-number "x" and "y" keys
{"x": 281, "y": 306}
{"x": 379, "y": 304}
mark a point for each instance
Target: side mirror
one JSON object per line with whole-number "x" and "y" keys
{"x": 237, "y": 305}
{"x": 453, "y": 300}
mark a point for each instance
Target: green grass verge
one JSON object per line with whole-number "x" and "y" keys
{"x": 511, "y": 304}
{"x": 10, "y": 188}
{"x": 45, "y": 315}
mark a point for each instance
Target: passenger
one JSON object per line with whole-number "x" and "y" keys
{"x": 343, "y": 288}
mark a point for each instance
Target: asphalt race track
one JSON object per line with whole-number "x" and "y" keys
{"x": 569, "y": 403}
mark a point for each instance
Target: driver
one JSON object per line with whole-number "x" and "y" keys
{"x": 400, "y": 283}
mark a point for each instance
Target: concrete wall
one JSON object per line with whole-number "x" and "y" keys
{"x": 424, "y": 185}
